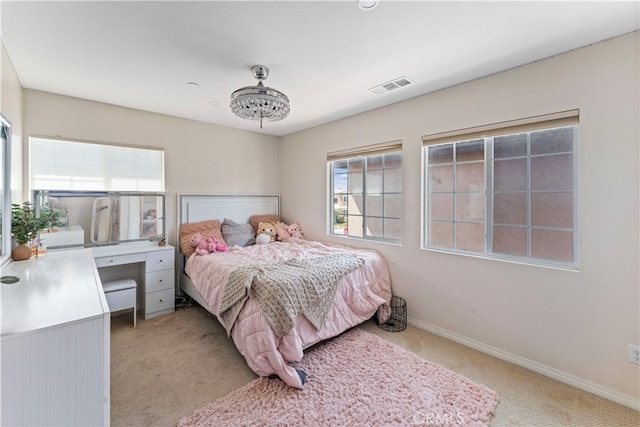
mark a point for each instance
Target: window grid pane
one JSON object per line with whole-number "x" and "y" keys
{"x": 367, "y": 197}
{"x": 546, "y": 176}
{"x": 456, "y": 196}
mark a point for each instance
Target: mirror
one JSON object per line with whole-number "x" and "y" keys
{"x": 101, "y": 218}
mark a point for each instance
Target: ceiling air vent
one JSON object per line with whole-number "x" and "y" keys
{"x": 392, "y": 85}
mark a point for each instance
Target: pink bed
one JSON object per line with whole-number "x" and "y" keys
{"x": 358, "y": 295}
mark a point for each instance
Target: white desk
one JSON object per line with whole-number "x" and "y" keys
{"x": 55, "y": 342}
{"x": 156, "y": 277}
{"x": 56, "y": 329}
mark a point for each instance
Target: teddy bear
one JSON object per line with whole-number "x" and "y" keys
{"x": 203, "y": 245}
{"x": 206, "y": 245}
{"x": 219, "y": 246}
{"x": 294, "y": 230}
{"x": 281, "y": 232}
{"x": 266, "y": 233}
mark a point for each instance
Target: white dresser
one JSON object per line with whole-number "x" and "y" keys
{"x": 55, "y": 342}
{"x": 149, "y": 264}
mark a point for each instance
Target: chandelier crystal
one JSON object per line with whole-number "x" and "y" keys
{"x": 259, "y": 102}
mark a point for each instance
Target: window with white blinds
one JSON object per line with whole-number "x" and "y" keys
{"x": 59, "y": 164}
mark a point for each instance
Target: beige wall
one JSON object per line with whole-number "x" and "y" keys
{"x": 199, "y": 157}
{"x": 575, "y": 326}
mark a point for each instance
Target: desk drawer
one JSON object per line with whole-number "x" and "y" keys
{"x": 119, "y": 260}
{"x": 160, "y": 300}
{"x": 159, "y": 280}
{"x": 159, "y": 260}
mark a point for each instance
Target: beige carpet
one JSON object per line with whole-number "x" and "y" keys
{"x": 356, "y": 379}
{"x": 170, "y": 366}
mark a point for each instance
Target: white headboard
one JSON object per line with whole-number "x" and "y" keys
{"x": 237, "y": 207}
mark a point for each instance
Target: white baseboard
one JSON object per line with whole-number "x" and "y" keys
{"x": 547, "y": 371}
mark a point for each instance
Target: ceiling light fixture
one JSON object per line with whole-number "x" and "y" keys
{"x": 260, "y": 102}
{"x": 367, "y": 4}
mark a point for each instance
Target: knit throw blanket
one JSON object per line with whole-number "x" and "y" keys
{"x": 284, "y": 290}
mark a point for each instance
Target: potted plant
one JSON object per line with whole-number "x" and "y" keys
{"x": 25, "y": 225}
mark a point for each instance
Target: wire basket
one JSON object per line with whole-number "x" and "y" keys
{"x": 392, "y": 317}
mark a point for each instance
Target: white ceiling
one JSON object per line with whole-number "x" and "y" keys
{"x": 324, "y": 55}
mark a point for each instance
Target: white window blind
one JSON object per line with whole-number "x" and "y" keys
{"x": 58, "y": 164}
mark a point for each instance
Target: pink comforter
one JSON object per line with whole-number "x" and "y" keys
{"x": 358, "y": 296}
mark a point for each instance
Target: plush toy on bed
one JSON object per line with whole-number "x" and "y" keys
{"x": 207, "y": 245}
{"x": 202, "y": 245}
{"x": 282, "y": 234}
{"x": 295, "y": 231}
{"x": 220, "y": 247}
{"x": 266, "y": 233}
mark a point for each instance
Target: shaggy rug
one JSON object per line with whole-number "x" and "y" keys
{"x": 356, "y": 379}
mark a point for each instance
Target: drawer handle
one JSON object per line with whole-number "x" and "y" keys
{"x": 160, "y": 300}
{"x": 160, "y": 280}
{"x": 110, "y": 260}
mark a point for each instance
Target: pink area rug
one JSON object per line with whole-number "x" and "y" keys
{"x": 356, "y": 379}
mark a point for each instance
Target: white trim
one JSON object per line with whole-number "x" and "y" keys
{"x": 547, "y": 371}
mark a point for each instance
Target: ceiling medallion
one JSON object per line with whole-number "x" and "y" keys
{"x": 260, "y": 102}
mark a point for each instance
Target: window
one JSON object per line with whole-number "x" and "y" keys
{"x": 366, "y": 185}
{"x": 507, "y": 192}
{"x": 5, "y": 191}
{"x": 57, "y": 164}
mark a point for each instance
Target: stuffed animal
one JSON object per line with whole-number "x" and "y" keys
{"x": 219, "y": 246}
{"x": 295, "y": 231}
{"x": 207, "y": 245}
{"x": 203, "y": 245}
{"x": 281, "y": 232}
{"x": 266, "y": 233}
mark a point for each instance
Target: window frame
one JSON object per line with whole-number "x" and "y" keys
{"x": 569, "y": 118}
{"x": 7, "y": 216}
{"x": 394, "y": 147}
